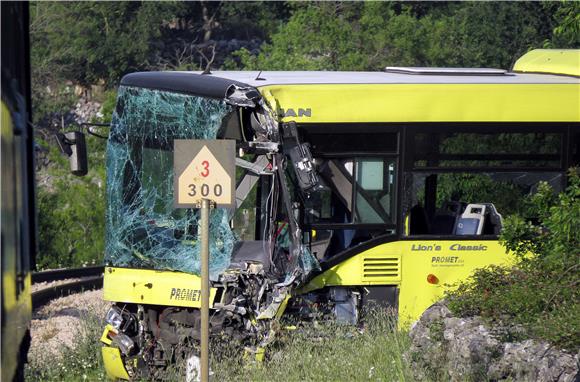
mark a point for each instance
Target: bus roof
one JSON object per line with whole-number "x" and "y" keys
{"x": 260, "y": 79}
{"x": 555, "y": 61}
{"x": 395, "y": 95}
{"x": 215, "y": 84}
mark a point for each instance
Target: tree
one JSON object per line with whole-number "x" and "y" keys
{"x": 370, "y": 36}
{"x": 566, "y": 33}
{"x": 97, "y": 41}
{"x": 71, "y": 212}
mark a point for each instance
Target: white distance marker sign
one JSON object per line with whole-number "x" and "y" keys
{"x": 204, "y": 169}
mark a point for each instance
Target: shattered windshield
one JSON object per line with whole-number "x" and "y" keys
{"x": 144, "y": 230}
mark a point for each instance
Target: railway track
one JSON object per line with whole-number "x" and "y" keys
{"x": 82, "y": 279}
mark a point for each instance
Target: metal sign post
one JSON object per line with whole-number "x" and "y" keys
{"x": 205, "y": 206}
{"x": 204, "y": 173}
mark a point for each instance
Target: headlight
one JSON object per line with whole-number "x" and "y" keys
{"x": 114, "y": 318}
{"x": 124, "y": 343}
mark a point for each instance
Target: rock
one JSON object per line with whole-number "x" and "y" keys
{"x": 85, "y": 110}
{"x": 534, "y": 361}
{"x": 470, "y": 348}
{"x": 428, "y": 353}
{"x": 458, "y": 349}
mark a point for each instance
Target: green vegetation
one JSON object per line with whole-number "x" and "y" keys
{"x": 540, "y": 293}
{"x": 314, "y": 352}
{"x": 71, "y": 215}
{"x": 329, "y": 352}
{"x": 370, "y": 36}
{"x": 82, "y": 362}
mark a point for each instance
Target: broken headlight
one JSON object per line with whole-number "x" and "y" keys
{"x": 114, "y": 318}
{"x": 123, "y": 342}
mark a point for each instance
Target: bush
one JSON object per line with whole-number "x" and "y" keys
{"x": 540, "y": 293}
{"x": 71, "y": 211}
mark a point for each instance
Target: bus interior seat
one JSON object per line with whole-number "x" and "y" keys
{"x": 445, "y": 218}
{"x": 319, "y": 245}
{"x": 479, "y": 219}
{"x": 471, "y": 220}
{"x": 247, "y": 252}
{"x": 493, "y": 220}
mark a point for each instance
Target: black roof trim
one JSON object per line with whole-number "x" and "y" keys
{"x": 196, "y": 84}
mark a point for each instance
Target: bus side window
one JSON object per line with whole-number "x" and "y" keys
{"x": 375, "y": 186}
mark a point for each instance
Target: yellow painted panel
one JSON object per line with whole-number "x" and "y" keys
{"x": 145, "y": 286}
{"x": 114, "y": 363}
{"x": 105, "y": 336}
{"x": 558, "y": 61}
{"x": 354, "y": 103}
{"x": 449, "y": 261}
{"x": 352, "y": 271}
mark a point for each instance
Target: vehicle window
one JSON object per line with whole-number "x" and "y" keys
{"x": 435, "y": 202}
{"x": 371, "y": 181}
{"x": 244, "y": 220}
{"x": 477, "y": 150}
{"x": 156, "y": 167}
{"x": 375, "y": 191}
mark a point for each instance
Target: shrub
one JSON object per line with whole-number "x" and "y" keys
{"x": 71, "y": 211}
{"x": 540, "y": 293}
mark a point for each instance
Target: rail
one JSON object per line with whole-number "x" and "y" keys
{"x": 87, "y": 278}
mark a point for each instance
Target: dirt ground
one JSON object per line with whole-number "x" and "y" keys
{"x": 58, "y": 323}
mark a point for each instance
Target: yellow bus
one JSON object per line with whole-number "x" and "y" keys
{"x": 353, "y": 189}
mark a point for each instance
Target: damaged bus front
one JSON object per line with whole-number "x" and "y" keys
{"x": 152, "y": 256}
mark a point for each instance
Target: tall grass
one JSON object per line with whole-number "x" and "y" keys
{"x": 81, "y": 362}
{"x": 324, "y": 351}
{"x": 327, "y": 351}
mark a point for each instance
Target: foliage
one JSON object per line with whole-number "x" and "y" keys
{"x": 72, "y": 211}
{"x": 313, "y": 352}
{"x": 505, "y": 196}
{"x": 328, "y": 351}
{"x": 567, "y": 28}
{"x": 81, "y": 362}
{"x": 96, "y": 41}
{"x": 541, "y": 287}
{"x": 371, "y": 35}
{"x": 109, "y": 103}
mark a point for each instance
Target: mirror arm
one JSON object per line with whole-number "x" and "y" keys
{"x": 63, "y": 144}
{"x": 88, "y": 127}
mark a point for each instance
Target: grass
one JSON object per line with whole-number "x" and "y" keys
{"x": 314, "y": 352}
{"x": 328, "y": 352}
{"x": 83, "y": 362}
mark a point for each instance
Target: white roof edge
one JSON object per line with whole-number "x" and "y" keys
{"x": 446, "y": 71}
{"x": 268, "y": 78}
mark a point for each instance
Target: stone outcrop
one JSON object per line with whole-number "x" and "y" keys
{"x": 459, "y": 349}
{"x": 85, "y": 110}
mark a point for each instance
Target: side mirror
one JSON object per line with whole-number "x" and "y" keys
{"x": 73, "y": 145}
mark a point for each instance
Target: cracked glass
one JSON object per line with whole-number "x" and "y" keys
{"x": 144, "y": 230}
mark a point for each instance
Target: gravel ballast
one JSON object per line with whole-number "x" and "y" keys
{"x": 58, "y": 324}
